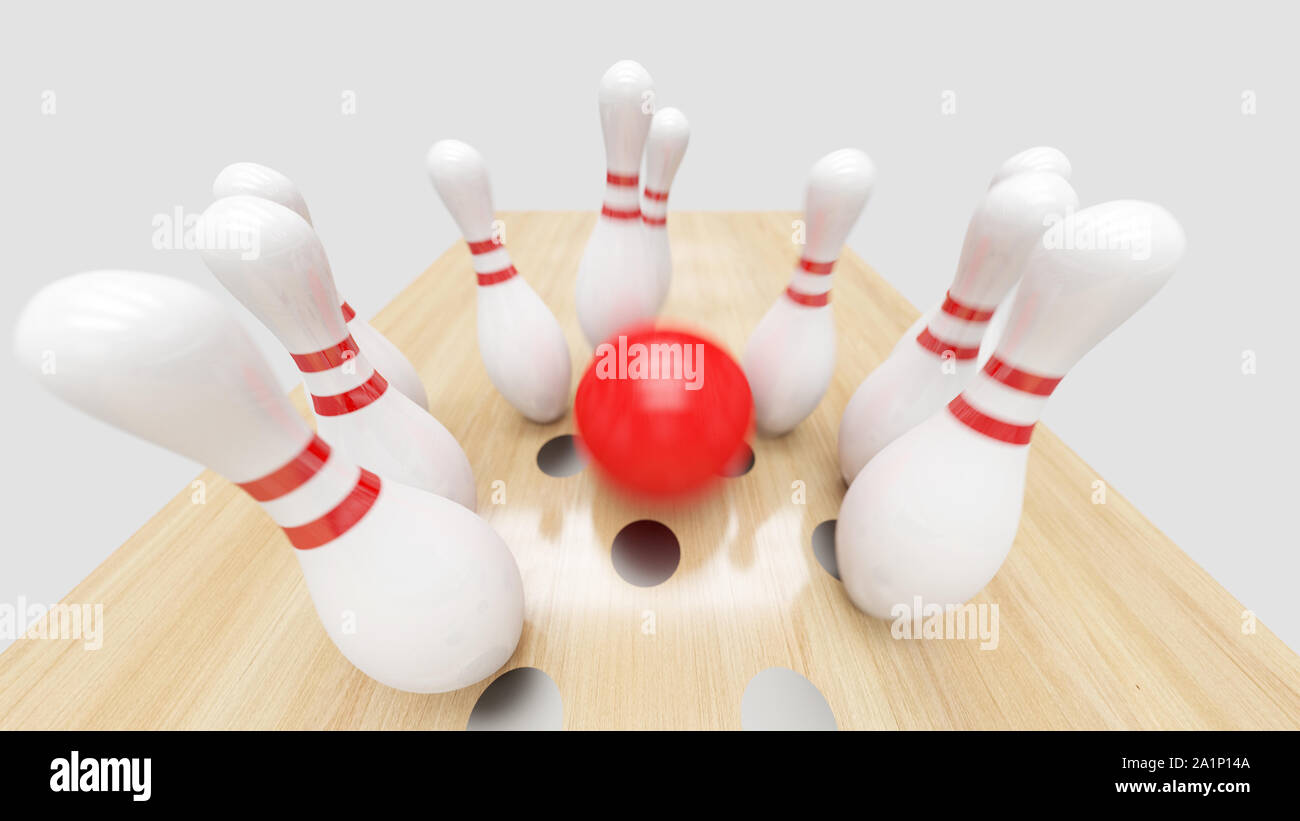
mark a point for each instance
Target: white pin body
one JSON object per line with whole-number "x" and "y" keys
{"x": 626, "y": 105}
{"x": 429, "y": 593}
{"x": 519, "y": 340}
{"x": 664, "y": 149}
{"x": 790, "y": 355}
{"x": 898, "y": 395}
{"x": 161, "y": 359}
{"x": 618, "y": 286}
{"x": 287, "y": 284}
{"x": 934, "y": 514}
{"x": 1007, "y": 225}
{"x": 260, "y": 181}
{"x": 789, "y": 361}
{"x": 434, "y": 595}
{"x": 523, "y": 349}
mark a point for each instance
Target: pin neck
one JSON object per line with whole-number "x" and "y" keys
{"x": 491, "y": 261}
{"x": 956, "y": 330}
{"x": 621, "y": 197}
{"x": 654, "y": 211}
{"x": 332, "y": 375}
{"x": 810, "y": 283}
{"x": 1004, "y": 402}
{"x": 275, "y": 491}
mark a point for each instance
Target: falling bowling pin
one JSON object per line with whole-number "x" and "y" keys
{"x": 1042, "y": 158}
{"x": 520, "y": 341}
{"x": 617, "y": 282}
{"x": 935, "y": 513}
{"x": 664, "y": 149}
{"x": 941, "y": 359}
{"x": 416, "y": 591}
{"x": 267, "y": 183}
{"x": 790, "y": 355}
{"x": 287, "y": 284}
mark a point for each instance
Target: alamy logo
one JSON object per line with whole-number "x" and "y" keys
{"x": 658, "y": 360}
{"x": 77, "y": 774}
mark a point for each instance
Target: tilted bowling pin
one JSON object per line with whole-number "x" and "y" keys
{"x": 664, "y": 149}
{"x": 921, "y": 377}
{"x": 790, "y": 356}
{"x": 935, "y": 513}
{"x": 519, "y": 339}
{"x": 1039, "y": 158}
{"x": 416, "y": 591}
{"x": 617, "y": 283}
{"x": 280, "y": 273}
{"x": 267, "y": 183}
{"x": 1042, "y": 158}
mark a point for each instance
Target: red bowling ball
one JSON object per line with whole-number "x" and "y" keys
{"x": 662, "y": 411}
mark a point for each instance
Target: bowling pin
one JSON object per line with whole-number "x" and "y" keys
{"x": 417, "y": 592}
{"x": 617, "y": 282}
{"x": 790, "y": 356}
{"x": 267, "y": 183}
{"x": 520, "y": 341}
{"x": 664, "y": 149}
{"x": 922, "y": 376}
{"x": 935, "y": 513}
{"x": 1041, "y": 158}
{"x": 280, "y": 273}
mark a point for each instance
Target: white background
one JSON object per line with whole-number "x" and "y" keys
{"x": 1146, "y": 99}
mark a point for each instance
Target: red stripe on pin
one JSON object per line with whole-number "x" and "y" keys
{"x": 353, "y": 400}
{"x": 656, "y": 196}
{"x": 339, "y": 520}
{"x": 327, "y": 359}
{"x": 485, "y": 246}
{"x": 935, "y": 345}
{"x": 292, "y": 475}
{"x": 620, "y": 213}
{"x": 817, "y": 267}
{"x": 811, "y": 300}
{"x": 654, "y": 220}
{"x": 954, "y": 308}
{"x": 497, "y": 276}
{"x": 348, "y": 313}
{"x": 630, "y": 180}
{"x": 993, "y": 428}
{"x": 1020, "y": 380}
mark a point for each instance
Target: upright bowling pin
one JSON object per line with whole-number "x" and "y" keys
{"x": 267, "y": 183}
{"x": 935, "y": 513}
{"x": 664, "y": 149}
{"x": 617, "y": 283}
{"x": 519, "y": 339}
{"x": 919, "y": 378}
{"x": 790, "y": 355}
{"x": 416, "y": 591}
{"x": 286, "y": 282}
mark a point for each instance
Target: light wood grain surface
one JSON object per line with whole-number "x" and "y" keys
{"x": 1103, "y": 621}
